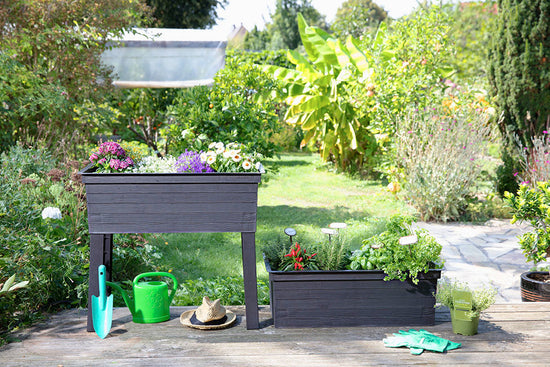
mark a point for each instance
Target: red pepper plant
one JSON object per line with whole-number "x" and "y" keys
{"x": 297, "y": 259}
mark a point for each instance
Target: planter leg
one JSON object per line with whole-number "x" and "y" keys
{"x": 250, "y": 281}
{"x": 101, "y": 252}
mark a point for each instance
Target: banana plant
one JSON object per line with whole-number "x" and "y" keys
{"x": 321, "y": 91}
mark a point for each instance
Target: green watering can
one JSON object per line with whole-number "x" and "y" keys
{"x": 151, "y": 302}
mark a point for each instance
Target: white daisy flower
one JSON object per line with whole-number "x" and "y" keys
{"x": 247, "y": 165}
{"x": 211, "y": 159}
{"x": 237, "y": 157}
{"x": 219, "y": 145}
{"x": 204, "y": 157}
{"x": 212, "y": 145}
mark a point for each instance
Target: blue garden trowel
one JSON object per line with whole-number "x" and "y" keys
{"x": 102, "y": 306}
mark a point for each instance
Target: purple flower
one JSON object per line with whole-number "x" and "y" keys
{"x": 191, "y": 162}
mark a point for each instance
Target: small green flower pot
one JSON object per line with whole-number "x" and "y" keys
{"x": 464, "y": 326}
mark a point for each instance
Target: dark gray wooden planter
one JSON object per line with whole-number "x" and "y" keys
{"x": 350, "y": 298}
{"x": 171, "y": 203}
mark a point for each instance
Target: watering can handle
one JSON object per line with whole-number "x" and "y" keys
{"x": 160, "y": 274}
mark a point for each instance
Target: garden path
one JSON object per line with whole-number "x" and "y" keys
{"x": 483, "y": 254}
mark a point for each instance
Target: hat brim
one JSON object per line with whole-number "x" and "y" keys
{"x": 185, "y": 319}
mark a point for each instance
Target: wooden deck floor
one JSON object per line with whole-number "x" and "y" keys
{"x": 509, "y": 335}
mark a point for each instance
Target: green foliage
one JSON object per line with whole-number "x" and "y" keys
{"x": 409, "y": 58}
{"x": 52, "y": 254}
{"x": 438, "y": 151}
{"x": 519, "y": 72}
{"x": 227, "y": 111}
{"x": 532, "y": 205}
{"x": 384, "y": 252}
{"x": 333, "y": 254}
{"x": 193, "y": 14}
{"x": 482, "y": 298}
{"x": 357, "y": 18}
{"x": 230, "y": 290}
{"x": 50, "y": 70}
{"x": 506, "y": 173}
{"x": 470, "y": 33}
{"x": 144, "y": 112}
{"x": 321, "y": 94}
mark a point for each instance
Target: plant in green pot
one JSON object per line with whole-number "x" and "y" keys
{"x": 532, "y": 205}
{"x": 464, "y": 303}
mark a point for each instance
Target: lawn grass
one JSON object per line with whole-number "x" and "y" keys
{"x": 298, "y": 192}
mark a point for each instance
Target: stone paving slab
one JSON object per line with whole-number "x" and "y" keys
{"x": 486, "y": 254}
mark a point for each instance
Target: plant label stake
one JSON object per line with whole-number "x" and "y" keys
{"x": 330, "y": 232}
{"x": 408, "y": 241}
{"x": 462, "y": 303}
{"x": 290, "y": 232}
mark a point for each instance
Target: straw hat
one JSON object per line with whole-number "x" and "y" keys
{"x": 209, "y": 315}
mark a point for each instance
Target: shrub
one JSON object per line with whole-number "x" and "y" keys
{"x": 50, "y": 68}
{"x": 227, "y": 111}
{"x": 535, "y": 161}
{"x": 438, "y": 150}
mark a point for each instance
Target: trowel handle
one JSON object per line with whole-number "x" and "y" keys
{"x": 160, "y": 274}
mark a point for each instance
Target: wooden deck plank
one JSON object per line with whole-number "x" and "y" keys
{"x": 515, "y": 335}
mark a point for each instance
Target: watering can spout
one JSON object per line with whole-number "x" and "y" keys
{"x": 129, "y": 301}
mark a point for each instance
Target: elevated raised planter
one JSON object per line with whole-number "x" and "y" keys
{"x": 350, "y": 298}
{"x": 171, "y": 203}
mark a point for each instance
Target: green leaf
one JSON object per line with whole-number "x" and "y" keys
{"x": 357, "y": 56}
{"x": 312, "y": 52}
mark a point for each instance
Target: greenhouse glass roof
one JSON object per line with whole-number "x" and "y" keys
{"x": 166, "y": 58}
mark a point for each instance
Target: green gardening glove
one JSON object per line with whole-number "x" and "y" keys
{"x": 418, "y": 341}
{"x": 431, "y": 337}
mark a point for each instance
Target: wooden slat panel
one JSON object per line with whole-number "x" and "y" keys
{"x": 170, "y": 188}
{"x": 174, "y": 208}
{"x": 206, "y": 198}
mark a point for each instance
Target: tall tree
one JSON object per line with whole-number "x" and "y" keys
{"x": 358, "y": 17}
{"x": 195, "y": 14}
{"x": 519, "y": 71}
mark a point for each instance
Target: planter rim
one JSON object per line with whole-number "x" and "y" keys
{"x": 90, "y": 171}
{"x": 526, "y": 274}
{"x": 322, "y": 272}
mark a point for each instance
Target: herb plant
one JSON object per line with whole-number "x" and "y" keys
{"x": 298, "y": 259}
{"x": 482, "y": 298}
{"x": 383, "y": 252}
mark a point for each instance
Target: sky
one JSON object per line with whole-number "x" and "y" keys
{"x": 257, "y": 12}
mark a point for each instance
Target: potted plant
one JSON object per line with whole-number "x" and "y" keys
{"x": 170, "y": 195}
{"x": 324, "y": 285}
{"x": 464, "y": 304}
{"x": 533, "y": 206}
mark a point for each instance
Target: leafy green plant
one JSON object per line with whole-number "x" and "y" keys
{"x": 384, "y": 252}
{"x": 321, "y": 90}
{"x": 533, "y": 206}
{"x": 438, "y": 151}
{"x": 482, "y": 298}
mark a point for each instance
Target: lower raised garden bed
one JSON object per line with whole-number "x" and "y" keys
{"x": 318, "y": 298}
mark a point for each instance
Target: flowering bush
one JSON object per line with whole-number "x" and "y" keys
{"x": 231, "y": 158}
{"x": 297, "y": 259}
{"x": 535, "y": 161}
{"x": 111, "y": 158}
{"x": 191, "y": 162}
{"x": 438, "y": 151}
